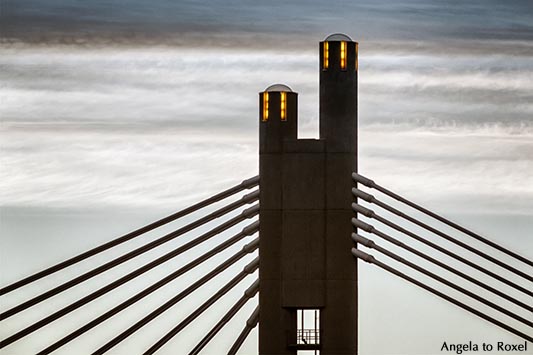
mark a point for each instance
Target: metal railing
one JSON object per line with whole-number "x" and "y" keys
{"x": 308, "y": 337}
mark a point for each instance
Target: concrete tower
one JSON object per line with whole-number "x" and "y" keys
{"x": 308, "y": 279}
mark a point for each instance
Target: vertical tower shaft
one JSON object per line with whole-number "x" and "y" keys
{"x": 305, "y": 212}
{"x": 338, "y": 127}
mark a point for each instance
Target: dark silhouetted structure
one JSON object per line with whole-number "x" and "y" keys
{"x": 311, "y": 200}
{"x": 306, "y": 269}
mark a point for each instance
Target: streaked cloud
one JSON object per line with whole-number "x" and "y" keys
{"x": 86, "y": 86}
{"x": 73, "y": 118}
{"x": 129, "y": 110}
{"x": 136, "y": 20}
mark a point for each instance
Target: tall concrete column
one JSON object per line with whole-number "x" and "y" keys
{"x": 276, "y": 322}
{"x": 338, "y": 127}
{"x": 305, "y": 211}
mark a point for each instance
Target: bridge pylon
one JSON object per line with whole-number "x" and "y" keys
{"x": 308, "y": 281}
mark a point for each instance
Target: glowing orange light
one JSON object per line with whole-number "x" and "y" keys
{"x": 265, "y": 106}
{"x": 343, "y": 55}
{"x": 326, "y": 55}
{"x": 283, "y": 106}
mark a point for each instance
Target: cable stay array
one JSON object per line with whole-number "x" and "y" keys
{"x": 371, "y": 184}
{"x": 215, "y": 233}
{"x": 251, "y": 323}
{"x": 253, "y": 196}
{"x": 238, "y": 213}
{"x": 525, "y": 317}
{"x": 244, "y": 185}
{"x": 370, "y": 259}
{"x": 248, "y": 294}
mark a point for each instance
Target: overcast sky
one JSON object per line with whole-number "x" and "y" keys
{"x": 368, "y": 20}
{"x": 133, "y": 105}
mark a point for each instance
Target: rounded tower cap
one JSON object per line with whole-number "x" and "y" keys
{"x": 338, "y": 37}
{"x": 278, "y": 87}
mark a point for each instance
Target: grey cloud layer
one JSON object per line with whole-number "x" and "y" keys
{"x": 162, "y": 21}
{"x": 445, "y": 89}
{"x": 148, "y": 106}
{"x": 120, "y": 126}
{"x": 170, "y": 86}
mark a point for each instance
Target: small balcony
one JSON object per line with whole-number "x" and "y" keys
{"x": 306, "y": 339}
